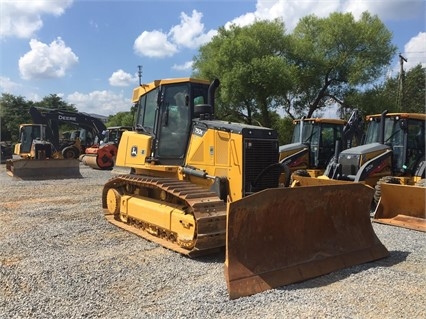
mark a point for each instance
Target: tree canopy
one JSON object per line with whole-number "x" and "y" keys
{"x": 385, "y": 96}
{"x": 267, "y": 72}
{"x": 249, "y": 65}
{"x": 14, "y": 110}
{"x": 121, "y": 119}
{"x": 263, "y": 70}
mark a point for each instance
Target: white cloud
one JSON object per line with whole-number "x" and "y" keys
{"x": 183, "y": 67}
{"x": 121, "y": 78}
{"x": 415, "y": 51}
{"x": 100, "y": 102}
{"x": 22, "y": 18}
{"x": 291, "y": 11}
{"x": 190, "y": 33}
{"x": 154, "y": 44}
{"x": 47, "y": 61}
{"x": 386, "y": 10}
{"x": 7, "y": 85}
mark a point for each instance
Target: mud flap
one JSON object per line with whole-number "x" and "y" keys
{"x": 38, "y": 169}
{"x": 282, "y": 236}
{"x": 402, "y": 206}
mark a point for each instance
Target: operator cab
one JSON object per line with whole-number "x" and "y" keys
{"x": 320, "y": 137}
{"x": 27, "y": 134}
{"x": 166, "y": 112}
{"x": 405, "y": 136}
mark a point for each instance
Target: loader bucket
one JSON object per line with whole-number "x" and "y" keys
{"x": 282, "y": 236}
{"x": 298, "y": 180}
{"x": 402, "y": 206}
{"x": 28, "y": 169}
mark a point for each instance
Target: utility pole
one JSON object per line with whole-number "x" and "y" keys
{"x": 401, "y": 82}
{"x": 140, "y": 74}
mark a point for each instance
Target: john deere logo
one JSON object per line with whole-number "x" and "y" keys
{"x": 134, "y": 151}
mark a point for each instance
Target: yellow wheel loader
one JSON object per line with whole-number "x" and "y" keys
{"x": 392, "y": 160}
{"x": 198, "y": 185}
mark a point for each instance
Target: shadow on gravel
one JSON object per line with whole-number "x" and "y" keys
{"x": 394, "y": 258}
{"x": 215, "y": 258}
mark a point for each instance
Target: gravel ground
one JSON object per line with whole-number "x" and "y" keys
{"x": 59, "y": 258}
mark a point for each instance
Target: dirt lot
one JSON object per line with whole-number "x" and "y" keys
{"x": 59, "y": 258}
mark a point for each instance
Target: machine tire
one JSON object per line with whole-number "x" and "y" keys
{"x": 70, "y": 152}
{"x": 378, "y": 190}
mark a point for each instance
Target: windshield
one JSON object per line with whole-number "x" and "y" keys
{"x": 147, "y": 106}
{"x": 393, "y": 132}
{"x": 407, "y": 150}
{"x": 28, "y": 134}
{"x": 309, "y": 134}
{"x": 373, "y": 132}
{"x": 175, "y": 120}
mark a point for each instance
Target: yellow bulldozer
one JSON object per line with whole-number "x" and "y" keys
{"x": 198, "y": 185}
{"x": 35, "y": 157}
{"x": 42, "y": 154}
{"x": 392, "y": 160}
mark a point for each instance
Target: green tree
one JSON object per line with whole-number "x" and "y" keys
{"x": 13, "y": 112}
{"x": 414, "y": 90}
{"x": 384, "y": 96}
{"x": 333, "y": 56}
{"x": 324, "y": 60}
{"x": 248, "y": 62}
{"x": 120, "y": 119}
{"x": 54, "y": 101}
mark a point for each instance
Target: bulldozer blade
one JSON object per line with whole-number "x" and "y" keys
{"x": 38, "y": 169}
{"x": 402, "y": 206}
{"x": 282, "y": 236}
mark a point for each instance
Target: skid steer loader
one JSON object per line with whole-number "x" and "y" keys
{"x": 198, "y": 185}
{"x": 392, "y": 160}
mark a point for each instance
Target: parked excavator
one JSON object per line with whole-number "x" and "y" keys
{"x": 198, "y": 185}
{"x": 102, "y": 155}
{"x": 314, "y": 141}
{"x": 42, "y": 154}
{"x": 392, "y": 160}
{"x": 88, "y": 128}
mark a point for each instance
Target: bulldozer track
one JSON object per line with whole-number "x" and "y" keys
{"x": 208, "y": 209}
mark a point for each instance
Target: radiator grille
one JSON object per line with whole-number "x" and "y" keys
{"x": 349, "y": 164}
{"x": 260, "y": 156}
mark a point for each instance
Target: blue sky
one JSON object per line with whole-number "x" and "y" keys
{"x": 88, "y": 51}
